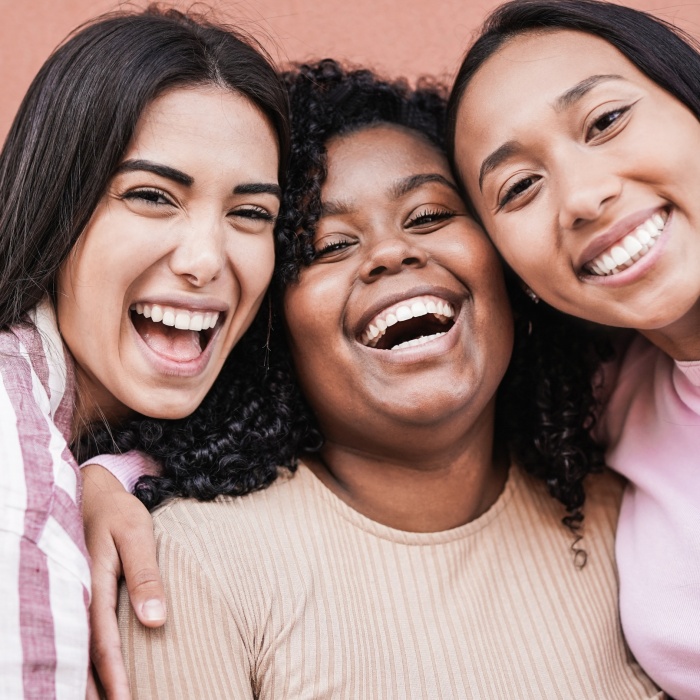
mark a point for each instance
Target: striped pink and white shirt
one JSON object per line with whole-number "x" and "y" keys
{"x": 44, "y": 566}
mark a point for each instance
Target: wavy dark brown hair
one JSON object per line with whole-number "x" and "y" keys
{"x": 78, "y": 118}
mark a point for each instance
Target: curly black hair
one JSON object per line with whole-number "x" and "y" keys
{"x": 547, "y": 401}
{"x": 252, "y": 422}
{"x": 255, "y": 418}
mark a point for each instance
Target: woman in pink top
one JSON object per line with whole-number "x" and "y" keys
{"x": 576, "y": 133}
{"x": 139, "y": 185}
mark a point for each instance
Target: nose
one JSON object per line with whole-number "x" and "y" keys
{"x": 586, "y": 187}
{"x": 200, "y": 255}
{"x": 390, "y": 254}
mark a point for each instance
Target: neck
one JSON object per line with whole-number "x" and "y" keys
{"x": 681, "y": 339}
{"x": 93, "y": 406}
{"x": 431, "y": 490}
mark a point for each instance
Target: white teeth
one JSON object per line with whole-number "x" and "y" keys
{"x": 156, "y": 313}
{"x": 403, "y": 313}
{"x": 375, "y": 330}
{"x": 619, "y": 255}
{"x": 177, "y": 318}
{"x": 652, "y": 229}
{"x": 418, "y": 309}
{"x": 643, "y": 236}
{"x": 633, "y": 247}
{"x": 418, "y": 341}
{"x": 182, "y": 321}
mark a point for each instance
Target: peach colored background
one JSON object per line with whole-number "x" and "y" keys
{"x": 406, "y": 37}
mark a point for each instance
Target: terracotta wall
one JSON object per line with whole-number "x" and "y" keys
{"x": 407, "y": 37}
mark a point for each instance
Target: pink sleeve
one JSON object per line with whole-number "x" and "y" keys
{"x": 127, "y": 467}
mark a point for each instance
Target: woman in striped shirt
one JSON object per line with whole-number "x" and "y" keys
{"x": 139, "y": 185}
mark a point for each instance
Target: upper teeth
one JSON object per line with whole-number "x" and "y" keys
{"x": 403, "y": 311}
{"x": 179, "y": 318}
{"x": 630, "y": 249}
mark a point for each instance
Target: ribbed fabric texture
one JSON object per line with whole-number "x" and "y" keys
{"x": 290, "y": 593}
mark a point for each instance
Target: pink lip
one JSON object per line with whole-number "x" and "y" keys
{"x": 182, "y": 301}
{"x": 640, "y": 268}
{"x": 172, "y": 368}
{"x": 613, "y": 235}
{"x": 450, "y": 295}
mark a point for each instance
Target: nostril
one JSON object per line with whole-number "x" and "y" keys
{"x": 380, "y": 269}
{"x": 411, "y": 261}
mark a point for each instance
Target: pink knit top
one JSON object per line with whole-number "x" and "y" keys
{"x": 652, "y": 424}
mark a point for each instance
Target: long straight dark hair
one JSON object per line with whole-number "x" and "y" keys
{"x": 78, "y": 117}
{"x": 666, "y": 54}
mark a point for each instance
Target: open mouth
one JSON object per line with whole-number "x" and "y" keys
{"x": 178, "y": 334}
{"x": 633, "y": 247}
{"x": 409, "y": 323}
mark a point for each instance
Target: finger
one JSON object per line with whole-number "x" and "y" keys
{"x": 140, "y": 567}
{"x": 105, "y": 645}
{"x": 91, "y": 692}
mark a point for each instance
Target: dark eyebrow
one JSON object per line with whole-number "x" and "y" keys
{"x": 575, "y": 93}
{"x": 259, "y": 188}
{"x": 162, "y": 170}
{"x": 336, "y": 207}
{"x": 494, "y": 159}
{"x": 407, "y": 184}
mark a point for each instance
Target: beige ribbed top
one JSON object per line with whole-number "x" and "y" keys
{"x": 290, "y": 593}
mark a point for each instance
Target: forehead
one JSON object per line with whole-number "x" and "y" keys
{"x": 192, "y": 123}
{"x": 369, "y": 159}
{"x": 529, "y": 73}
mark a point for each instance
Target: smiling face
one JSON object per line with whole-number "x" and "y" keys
{"x": 402, "y": 319}
{"x": 175, "y": 260}
{"x": 586, "y": 175}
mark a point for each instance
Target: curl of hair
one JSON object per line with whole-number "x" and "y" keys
{"x": 252, "y": 422}
{"x": 78, "y": 118}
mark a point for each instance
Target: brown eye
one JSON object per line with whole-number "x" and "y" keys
{"x": 149, "y": 196}
{"x": 606, "y": 121}
{"x": 426, "y": 218}
{"x": 517, "y": 188}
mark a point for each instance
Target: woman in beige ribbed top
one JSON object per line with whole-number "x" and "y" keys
{"x": 408, "y": 558}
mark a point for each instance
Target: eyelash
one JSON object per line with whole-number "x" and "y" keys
{"x": 434, "y": 215}
{"x": 620, "y": 112}
{"x": 254, "y": 213}
{"x": 330, "y": 248}
{"x": 510, "y": 193}
{"x": 149, "y": 196}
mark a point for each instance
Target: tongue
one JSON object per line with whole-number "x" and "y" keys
{"x": 181, "y": 346}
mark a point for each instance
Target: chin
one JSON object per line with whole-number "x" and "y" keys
{"x": 168, "y": 407}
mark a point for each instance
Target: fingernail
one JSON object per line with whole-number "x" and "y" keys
{"x": 153, "y": 610}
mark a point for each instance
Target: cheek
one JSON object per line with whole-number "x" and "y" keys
{"x": 252, "y": 261}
